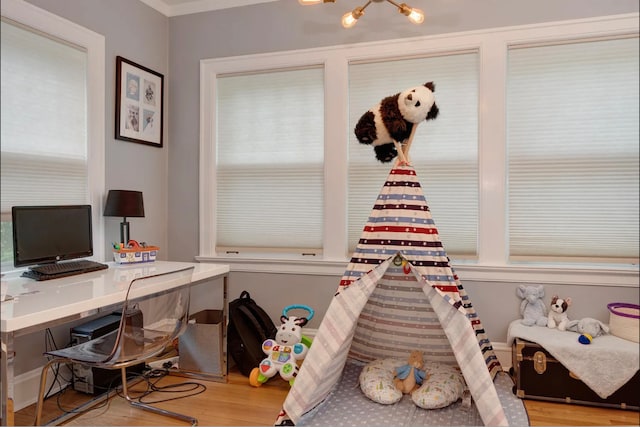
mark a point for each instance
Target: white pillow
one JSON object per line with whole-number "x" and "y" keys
{"x": 376, "y": 380}
{"x": 443, "y": 386}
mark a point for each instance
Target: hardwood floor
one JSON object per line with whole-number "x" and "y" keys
{"x": 236, "y": 403}
{"x": 560, "y": 414}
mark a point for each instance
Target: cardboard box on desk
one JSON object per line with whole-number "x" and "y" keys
{"x": 135, "y": 253}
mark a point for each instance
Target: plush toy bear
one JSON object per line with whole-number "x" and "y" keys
{"x": 558, "y": 313}
{"x": 588, "y": 329}
{"x": 532, "y": 307}
{"x": 409, "y": 377}
{"x": 393, "y": 120}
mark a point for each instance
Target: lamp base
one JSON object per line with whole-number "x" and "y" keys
{"x": 124, "y": 233}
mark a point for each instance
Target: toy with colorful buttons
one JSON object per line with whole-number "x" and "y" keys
{"x": 134, "y": 252}
{"x": 284, "y": 352}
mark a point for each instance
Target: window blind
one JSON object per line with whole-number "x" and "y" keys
{"x": 43, "y": 122}
{"x": 444, "y": 151}
{"x": 270, "y": 160}
{"x": 572, "y": 130}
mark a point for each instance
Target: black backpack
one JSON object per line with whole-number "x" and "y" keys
{"x": 249, "y": 326}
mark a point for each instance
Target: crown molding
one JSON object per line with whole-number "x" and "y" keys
{"x": 169, "y": 9}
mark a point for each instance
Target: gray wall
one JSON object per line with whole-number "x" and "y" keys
{"x": 174, "y": 46}
{"x": 285, "y": 25}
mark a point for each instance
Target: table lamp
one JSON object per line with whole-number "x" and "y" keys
{"x": 124, "y": 203}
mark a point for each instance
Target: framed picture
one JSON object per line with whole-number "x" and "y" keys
{"x": 139, "y": 103}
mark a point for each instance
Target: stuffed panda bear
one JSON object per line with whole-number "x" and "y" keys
{"x": 393, "y": 119}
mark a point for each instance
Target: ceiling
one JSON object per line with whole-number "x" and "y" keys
{"x": 185, "y": 7}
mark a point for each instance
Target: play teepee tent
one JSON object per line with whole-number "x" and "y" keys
{"x": 399, "y": 293}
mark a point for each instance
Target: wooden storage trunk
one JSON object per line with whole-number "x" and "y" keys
{"x": 538, "y": 375}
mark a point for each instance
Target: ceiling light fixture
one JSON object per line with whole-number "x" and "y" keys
{"x": 350, "y": 19}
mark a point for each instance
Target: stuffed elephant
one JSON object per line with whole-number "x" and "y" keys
{"x": 532, "y": 308}
{"x": 588, "y": 329}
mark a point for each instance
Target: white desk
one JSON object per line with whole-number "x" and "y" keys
{"x": 39, "y": 305}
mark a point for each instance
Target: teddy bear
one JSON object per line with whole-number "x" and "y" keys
{"x": 588, "y": 329}
{"x": 409, "y": 377}
{"x": 392, "y": 121}
{"x": 558, "y": 313}
{"x": 532, "y": 307}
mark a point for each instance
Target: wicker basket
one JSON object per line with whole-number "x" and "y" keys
{"x": 624, "y": 320}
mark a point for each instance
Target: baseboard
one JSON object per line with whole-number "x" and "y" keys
{"x": 503, "y": 353}
{"x": 310, "y": 332}
{"x": 26, "y": 386}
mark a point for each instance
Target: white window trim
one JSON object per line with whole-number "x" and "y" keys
{"x": 492, "y": 46}
{"x": 48, "y": 23}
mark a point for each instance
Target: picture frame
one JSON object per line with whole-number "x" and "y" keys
{"x": 139, "y": 103}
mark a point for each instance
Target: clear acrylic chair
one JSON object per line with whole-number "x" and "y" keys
{"x": 147, "y": 327}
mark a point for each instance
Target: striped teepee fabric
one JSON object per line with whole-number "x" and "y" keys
{"x": 398, "y": 293}
{"x": 401, "y": 222}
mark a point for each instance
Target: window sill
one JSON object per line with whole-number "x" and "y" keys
{"x": 606, "y": 275}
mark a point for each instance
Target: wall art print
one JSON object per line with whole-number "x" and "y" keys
{"x": 139, "y": 103}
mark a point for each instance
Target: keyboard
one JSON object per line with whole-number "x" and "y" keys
{"x": 63, "y": 269}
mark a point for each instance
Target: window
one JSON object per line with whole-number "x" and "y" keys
{"x": 49, "y": 152}
{"x": 445, "y": 152}
{"x": 270, "y": 165}
{"x": 572, "y": 137}
{"x": 44, "y": 120}
{"x": 482, "y": 163}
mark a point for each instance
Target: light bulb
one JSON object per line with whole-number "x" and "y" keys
{"x": 348, "y": 20}
{"x": 351, "y": 18}
{"x": 416, "y": 16}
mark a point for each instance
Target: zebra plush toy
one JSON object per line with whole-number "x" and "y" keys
{"x": 286, "y": 351}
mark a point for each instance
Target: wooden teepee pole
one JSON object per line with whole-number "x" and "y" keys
{"x": 402, "y": 160}
{"x": 403, "y": 149}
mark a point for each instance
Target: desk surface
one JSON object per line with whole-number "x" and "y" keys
{"x": 37, "y": 303}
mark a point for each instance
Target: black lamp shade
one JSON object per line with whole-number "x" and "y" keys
{"x": 124, "y": 203}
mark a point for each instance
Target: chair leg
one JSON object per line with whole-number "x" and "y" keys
{"x": 147, "y": 407}
{"x": 43, "y": 386}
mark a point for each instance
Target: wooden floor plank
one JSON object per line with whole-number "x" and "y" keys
{"x": 236, "y": 403}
